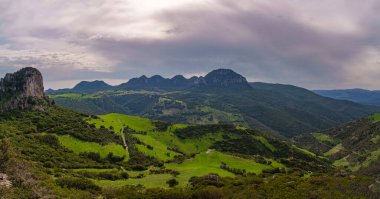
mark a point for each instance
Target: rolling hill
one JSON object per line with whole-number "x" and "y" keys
{"x": 354, "y": 145}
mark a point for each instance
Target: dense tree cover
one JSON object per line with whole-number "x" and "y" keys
{"x": 55, "y": 120}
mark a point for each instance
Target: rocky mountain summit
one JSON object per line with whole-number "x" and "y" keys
{"x": 216, "y": 79}
{"x": 224, "y": 78}
{"x": 22, "y": 89}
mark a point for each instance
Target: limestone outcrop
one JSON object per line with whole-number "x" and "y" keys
{"x": 22, "y": 89}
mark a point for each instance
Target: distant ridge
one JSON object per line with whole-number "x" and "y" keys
{"x": 86, "y": 86}
{"x": 219, "y": 78}
{"x": 357, "y": 95}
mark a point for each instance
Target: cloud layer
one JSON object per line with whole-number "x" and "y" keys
{"x": 314, "y": 44}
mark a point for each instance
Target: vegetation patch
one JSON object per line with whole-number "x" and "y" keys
{"x": 376, "y": 117}
{"x": 326, "y": 139}
{"x": 118, "y": 121}
{"x": 79, "y": 146}
{"x": 210, "y": 162}
{"x": 334, "y": 150}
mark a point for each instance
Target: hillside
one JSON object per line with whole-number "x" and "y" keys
{"x": 273, "y": 108}
{"x": 354, "y": 146}
{"x": 356, "y": 95}
{"x": 63, "y": 146}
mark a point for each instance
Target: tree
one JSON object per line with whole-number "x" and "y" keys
{"x": 172, "y": 182}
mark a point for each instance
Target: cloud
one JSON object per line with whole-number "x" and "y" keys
{"x": 315, "y": 44}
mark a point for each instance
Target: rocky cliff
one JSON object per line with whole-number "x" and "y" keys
{"x": 22, "y": 89}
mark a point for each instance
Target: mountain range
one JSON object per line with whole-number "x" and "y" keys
{"x": 361, "y": 96}
{"x": 222, "y": 96}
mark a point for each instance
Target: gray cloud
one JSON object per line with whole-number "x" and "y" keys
{"x": 314, "y": 44}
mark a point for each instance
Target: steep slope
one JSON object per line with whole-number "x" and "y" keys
{"x": 356, "y": 95}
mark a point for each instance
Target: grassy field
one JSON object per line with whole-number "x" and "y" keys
{"x": 149, "y": 181}
{"x": 209, "y": 162}
{"x": 326, "y": 138}
{"x": 376, "y": 118}
{"x": 206, "y": 161}
{"x": 203, "y": 164}
{"x": 305, "y": 151}
{"x": 73, "y": 96}
{"x": 118, "y": 120}
{"x": 334, "y": 150}
{"x": 79, "y": 146}
{"x": 159, "y": 150}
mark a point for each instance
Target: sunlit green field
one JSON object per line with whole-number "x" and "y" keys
{"x": 117, "y": 121}
{"x": 203, "y": 164}
{"x": 79, "y": 146}
{"x": 376, "y": 117}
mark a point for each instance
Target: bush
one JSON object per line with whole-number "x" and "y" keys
{"x": 172, "y": 182}
{"x": 77, "y": 183}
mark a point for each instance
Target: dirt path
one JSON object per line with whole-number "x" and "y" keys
{"x": 123, "y": 137}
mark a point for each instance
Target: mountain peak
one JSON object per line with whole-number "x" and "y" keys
{"x": 225, "y": 78}
{"x": 88, "y": 86}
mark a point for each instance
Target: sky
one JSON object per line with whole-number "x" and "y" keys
{"x": 316, "y": 44}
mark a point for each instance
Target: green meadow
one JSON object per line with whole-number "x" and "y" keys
{"x": 79, "y": 146}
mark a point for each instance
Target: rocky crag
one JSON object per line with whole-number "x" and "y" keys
{"x": 22, "y": 89}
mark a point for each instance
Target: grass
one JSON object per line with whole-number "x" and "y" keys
{"x": 149, "y": 181}
{"x": 73, "y": 96}
{"x": 265, "y": 142}
{"x": 326, "y": 138}
{"x": 341, "y": 162}
{"x": 376, "y": 139}
{"x": 376, "y": 117}
{"x": 209, "y": 162}
{"x": 372, "y": 156}
{"x": 79, "y": 146}
{"x": 118, "y": 120}
{"x": 305, "y": 151}
{"x": 334, "y": 150}
{"x": 159, "y": 150}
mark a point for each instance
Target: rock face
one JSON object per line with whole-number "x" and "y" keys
{"x": 224, "y": 78}
{"x": 22, "y": 89}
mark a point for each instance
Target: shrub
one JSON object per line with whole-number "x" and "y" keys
{"x": 77, "y": 183}
{"x": 172, "y": 182}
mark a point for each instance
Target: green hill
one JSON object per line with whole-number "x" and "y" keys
{"x": 354, "y": 146}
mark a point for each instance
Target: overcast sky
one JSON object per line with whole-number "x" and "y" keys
{"x": 317, "y": 44}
